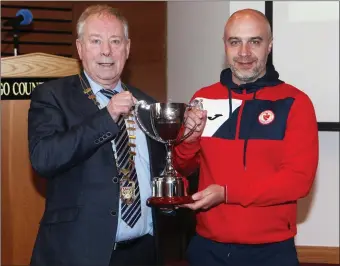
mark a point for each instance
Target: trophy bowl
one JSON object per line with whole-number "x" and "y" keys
{"x": 167, "y": 119}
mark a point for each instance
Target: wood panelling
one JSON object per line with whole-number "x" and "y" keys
{"x": 21, "y": 190}
{"x": 136, "y": 73}
{"x": 39, "y": 4}
{"x": 52, "y": 38}
{"x": 63, "y": 50}
{"x": 314, "y": 254}
{"x": 39, "y": 14}
{"x": 51, "y": 26}
{"x": 38, "y": 65}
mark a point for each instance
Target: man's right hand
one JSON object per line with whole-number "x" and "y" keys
{"x": 121, "y": 104}
{"x": 194, "y": 116}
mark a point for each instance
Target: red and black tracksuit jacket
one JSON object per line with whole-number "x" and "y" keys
{"x": 261, "y": 142}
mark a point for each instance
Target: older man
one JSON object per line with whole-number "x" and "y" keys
{"x": 256, "y": 146}
{"x": 97, "y": 162}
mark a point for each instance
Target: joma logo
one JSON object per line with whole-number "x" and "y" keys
{"x": 213, "y": 118}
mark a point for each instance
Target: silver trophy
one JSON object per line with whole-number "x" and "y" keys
{"x": 166, "y": 122}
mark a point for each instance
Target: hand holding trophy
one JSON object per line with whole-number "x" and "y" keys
{"x": 166, "y": 122}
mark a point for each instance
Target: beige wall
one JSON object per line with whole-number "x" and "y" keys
{"x": 195, "y": 47}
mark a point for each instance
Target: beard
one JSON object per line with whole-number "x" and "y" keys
{"x": 247, "y": 76}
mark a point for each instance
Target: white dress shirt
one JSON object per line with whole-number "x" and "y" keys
{"x": 142, "y": 164}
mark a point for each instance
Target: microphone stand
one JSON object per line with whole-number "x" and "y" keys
{"x": 16, "y": 40}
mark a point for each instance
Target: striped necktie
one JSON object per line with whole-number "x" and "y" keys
{"x": 132, "y": 212}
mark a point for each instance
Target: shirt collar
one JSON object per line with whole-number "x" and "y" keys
{"x": 96, "y": 87}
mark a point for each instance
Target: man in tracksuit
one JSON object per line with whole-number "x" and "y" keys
{"x": 256, "y": 148}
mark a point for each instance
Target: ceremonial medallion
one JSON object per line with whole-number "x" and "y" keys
{"x": 127, "y": 192}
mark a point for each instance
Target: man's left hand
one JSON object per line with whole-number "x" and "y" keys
{"x": 210, "y": 197}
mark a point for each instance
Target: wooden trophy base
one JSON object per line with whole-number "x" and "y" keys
{"x": 163, "y": 202}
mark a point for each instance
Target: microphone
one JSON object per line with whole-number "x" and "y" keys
{"x": 23, "y": 17}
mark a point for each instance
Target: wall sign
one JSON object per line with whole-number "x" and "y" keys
{"x": 19, "y": 88}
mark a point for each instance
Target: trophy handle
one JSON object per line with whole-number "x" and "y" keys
{"x": 194, "y": 104}
{"x": 145, "y": 106}
{"x": 188, "y": 134}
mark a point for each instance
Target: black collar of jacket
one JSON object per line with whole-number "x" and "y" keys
{"x": 271, "y": 78}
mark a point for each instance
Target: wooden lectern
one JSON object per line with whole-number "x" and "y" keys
{"x": 22, "y": 191}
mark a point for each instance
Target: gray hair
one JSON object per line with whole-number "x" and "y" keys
{"x": 100, "y": 10}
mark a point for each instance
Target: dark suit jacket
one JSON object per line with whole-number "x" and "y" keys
{"x": 69, "y": 144}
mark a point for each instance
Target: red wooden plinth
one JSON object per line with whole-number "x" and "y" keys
{"x": 169, "y": 201}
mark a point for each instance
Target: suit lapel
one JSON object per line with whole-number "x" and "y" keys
{"x": 85, "y": 106}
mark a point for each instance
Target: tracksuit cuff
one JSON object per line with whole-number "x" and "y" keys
{"x": 186, "y": 148}
{"x": 234, "y": 193}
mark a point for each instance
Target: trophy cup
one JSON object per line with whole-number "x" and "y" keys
{"x": 166, "y": 122}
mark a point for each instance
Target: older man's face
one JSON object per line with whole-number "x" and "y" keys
{"x": 103, "y": 49}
